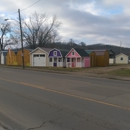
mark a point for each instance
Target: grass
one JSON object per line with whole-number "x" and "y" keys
{"x": 125, "y": 72}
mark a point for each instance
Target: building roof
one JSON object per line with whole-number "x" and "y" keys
{"x": 111, "y": 54}
{"x": 4, "y": 52}
{"x": 46, "y": 49}
{"x": 64, "y": 52}
{"x": 99, "y": 52}
{"x": 122, "y": 54}
{"x": 81, "y": 52}
{"x": 41, "y": 48}
{"x": 88, "y": 51}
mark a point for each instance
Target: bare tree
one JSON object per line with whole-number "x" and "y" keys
{"x": 5, "y": 28}
{"x": 82, "y": 44}
{"x": 39, "y": 30}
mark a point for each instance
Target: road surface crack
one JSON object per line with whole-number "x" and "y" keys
{"x": 38, "y": 126}
{"x": 42, "y": 125}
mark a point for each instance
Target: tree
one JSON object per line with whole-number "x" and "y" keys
{"x": 82, "y": 44}
{"x": 39, "y": 30}
{"x": 71, "y": 42}
{"x": 5, "y": 28}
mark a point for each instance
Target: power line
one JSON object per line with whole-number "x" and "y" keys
{"x": 13, "y": 13}
{"x": 25, "y": 8}
{"x": 31, "y": 5}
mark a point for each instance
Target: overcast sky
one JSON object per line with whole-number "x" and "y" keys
{"x": 89, "y": 21}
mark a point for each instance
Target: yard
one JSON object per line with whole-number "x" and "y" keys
{"x": 114, "y": 70}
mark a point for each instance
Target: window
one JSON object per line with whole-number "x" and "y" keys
{"x": 36, "y": 55}
{"x": 68, "y": 59}
{"x": 121, "y": 58}
{"x": 55, "y": 53}
{"x": 78, "y": 60}
{"x": 59, "y": 60}
{"x": 50, "y": 59}
{"x": 73, "y": 53}
{"x": 42, "y": 55}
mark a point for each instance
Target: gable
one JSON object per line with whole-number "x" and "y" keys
{"x": 73, "y": 53}
{"x": 55, "y": 53}
{"x": 38, "y": 50}
{"x": 121, "y": 55}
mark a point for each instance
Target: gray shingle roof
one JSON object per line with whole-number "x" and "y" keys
{"x": 82, "y": 52}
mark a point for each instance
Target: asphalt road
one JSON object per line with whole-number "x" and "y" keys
{"x": 32, "y": 100}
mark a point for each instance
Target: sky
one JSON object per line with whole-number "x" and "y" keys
{"x": 88, "y": 21}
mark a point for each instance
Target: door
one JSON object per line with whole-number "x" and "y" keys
{"x": 39, "y": 60}
{"x": 55, "y": 62}
{"x": 73, "y": 62}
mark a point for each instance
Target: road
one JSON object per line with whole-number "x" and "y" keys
{"x": 33, "y": 100}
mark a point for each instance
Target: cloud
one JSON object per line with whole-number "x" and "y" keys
{"x": 90, "y": 21}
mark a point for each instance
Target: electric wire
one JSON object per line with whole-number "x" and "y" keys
{"x": 30, "y": 5}
{"x": 24, "y": 8}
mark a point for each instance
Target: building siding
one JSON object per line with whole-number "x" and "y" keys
{"x": 39, "y": 51}
{"x": 51, "y": 54}
{"x": 119, "y": 59}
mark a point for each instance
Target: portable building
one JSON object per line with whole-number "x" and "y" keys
{"x": 121, "y": 59}
{"x": 77, "y": 58}
{"x": 57, "y": 57}
{"x": 39, "y": 57}
{"x": 111, "y": 57}
{"x": 92, "y": 55}
{"x": 102, "y": 58}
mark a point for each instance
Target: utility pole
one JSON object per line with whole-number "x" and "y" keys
{"x": 1, "y": 40}
{"x": 0, "y": 45}
{"x": 120, "y": 46}
{"x": 21, "y": 37}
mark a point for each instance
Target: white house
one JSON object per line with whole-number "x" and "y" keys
{"x": 121, "y": 59}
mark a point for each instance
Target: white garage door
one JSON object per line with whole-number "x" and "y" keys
{"x": 39, "y": 60}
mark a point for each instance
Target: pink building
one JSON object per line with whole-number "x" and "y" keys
{"x": 77, "y": 58}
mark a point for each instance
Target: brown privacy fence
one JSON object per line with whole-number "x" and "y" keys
{"x": 26, "y": 57}
{"x": 16, "y": 59}
{"x": 92, "y": 59}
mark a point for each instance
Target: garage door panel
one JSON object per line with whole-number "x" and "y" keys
{"x": 39, "y": 60}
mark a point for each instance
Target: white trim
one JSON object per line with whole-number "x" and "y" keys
{"x": 121, "y": 54}
{"x": 74, "y": 51}
{"x": 55, "y": 53}
{"x": 38, "y": 48}
{"x": 69, "y": 52}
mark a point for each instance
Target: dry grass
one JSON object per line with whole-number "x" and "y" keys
{"x": 125, "y": 72}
